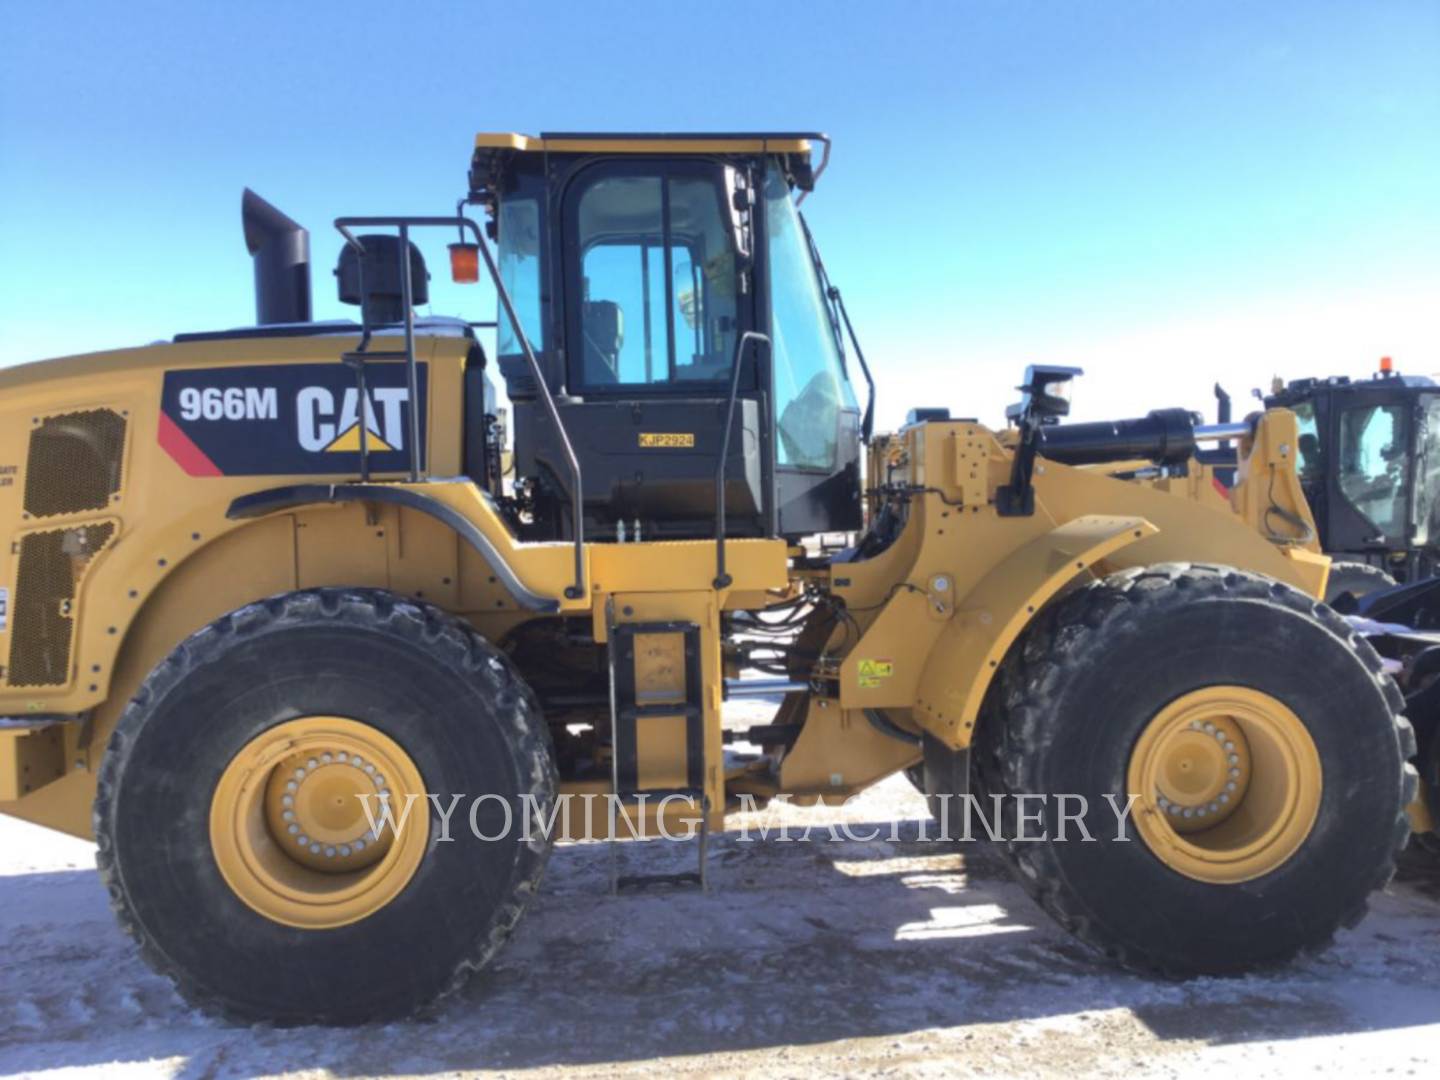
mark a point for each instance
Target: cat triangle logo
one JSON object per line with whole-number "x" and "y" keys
{"x": 348, "y": 442}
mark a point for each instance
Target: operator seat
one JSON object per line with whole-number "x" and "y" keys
{"x": 603, "y": 324}
{"x": 1309, "y": 457}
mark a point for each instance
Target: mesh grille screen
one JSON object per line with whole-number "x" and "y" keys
{"x": 44, "y": 617}
{"x": 74, "y": 462}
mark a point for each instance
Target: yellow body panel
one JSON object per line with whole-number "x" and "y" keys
{"x": 927, "y": 619}
{"x": 939, "y": 648}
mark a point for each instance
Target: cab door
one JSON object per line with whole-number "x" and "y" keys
{"x": 656, "y": 299}
{"x": 1371, "y": 487}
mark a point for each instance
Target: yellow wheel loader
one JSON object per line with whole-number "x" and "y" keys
{"x": 325, "y": 671}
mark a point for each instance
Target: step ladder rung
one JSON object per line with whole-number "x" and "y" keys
{"x": 642, "y": 881}
{"x": 655, "y": 795}
{"x": 648, "y": 712}
{"x": 626, "y": 713}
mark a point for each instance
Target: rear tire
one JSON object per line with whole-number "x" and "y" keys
{"x": 1092, "y": 676}
{"x": 403, "y": 676}
{"x": 1355, "y": 578}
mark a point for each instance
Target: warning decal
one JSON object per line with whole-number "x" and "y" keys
{"x": 872, "y": 672}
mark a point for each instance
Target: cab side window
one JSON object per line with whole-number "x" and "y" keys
{"x": 657, "y": 282}
{"x": 1372, "y": 465}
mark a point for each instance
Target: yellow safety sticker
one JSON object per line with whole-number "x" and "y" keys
{"x": 873, "y": 671}
{"x": 650, "y": 440}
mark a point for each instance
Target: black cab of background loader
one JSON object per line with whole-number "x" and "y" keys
{"x": 644, "y": 270}
{"x": 1369, "y": 463}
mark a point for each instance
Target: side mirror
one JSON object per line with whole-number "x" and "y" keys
{"x": 742, "y": 206}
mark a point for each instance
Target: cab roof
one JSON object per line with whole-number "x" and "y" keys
{"x": 619, "y": 142}
{"x": 795, "y": 145}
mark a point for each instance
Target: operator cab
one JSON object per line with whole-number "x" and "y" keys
{"x": 644, "y": 270}
{"x": 1369, "y": 463}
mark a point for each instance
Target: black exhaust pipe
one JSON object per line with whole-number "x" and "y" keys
{"x": 281, "y": 250}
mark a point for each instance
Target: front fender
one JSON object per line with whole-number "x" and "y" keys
{"x": 987, "y": 621}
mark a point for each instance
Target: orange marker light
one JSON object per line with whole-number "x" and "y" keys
{"x": 1386, "y": 365}
{"x": 464, "y": 263}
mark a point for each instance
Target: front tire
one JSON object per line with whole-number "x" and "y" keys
{"x": 1172, "y": 680}
{"x": 227, "y": 824}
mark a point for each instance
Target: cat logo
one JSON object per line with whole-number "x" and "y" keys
{"x": 320, "y": 427}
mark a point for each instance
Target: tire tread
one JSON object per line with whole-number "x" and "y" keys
{"x": 1060, "y": 640}
{"x": 447, "y": 637}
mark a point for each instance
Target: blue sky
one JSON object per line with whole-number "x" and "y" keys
{"x": 1163, "y": 192}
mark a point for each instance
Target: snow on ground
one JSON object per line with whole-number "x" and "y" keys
{"x": 898, "y": 958}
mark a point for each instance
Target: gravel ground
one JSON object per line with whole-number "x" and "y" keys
{"x": 894, "y": 957}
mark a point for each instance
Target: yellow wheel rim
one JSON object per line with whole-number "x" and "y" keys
{"x": 289, "y": 830}
{"x": 1227, "y": 784}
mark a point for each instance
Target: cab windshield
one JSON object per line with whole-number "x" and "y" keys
{"x": 811, "y": 388}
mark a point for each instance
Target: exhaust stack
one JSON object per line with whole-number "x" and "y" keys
{"x": 281, "y": 250}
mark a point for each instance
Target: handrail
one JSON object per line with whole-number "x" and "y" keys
{"x": 404, "y": 224}
{"x": 867, "y": 424}
{"x": 722, "y": 579}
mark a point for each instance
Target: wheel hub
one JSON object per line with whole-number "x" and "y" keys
{"x": 289, "y": 826}
{"x": 1203, "y": 774}
{"x": 316, "y": 802}
{"x": 1228, "y": 783}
